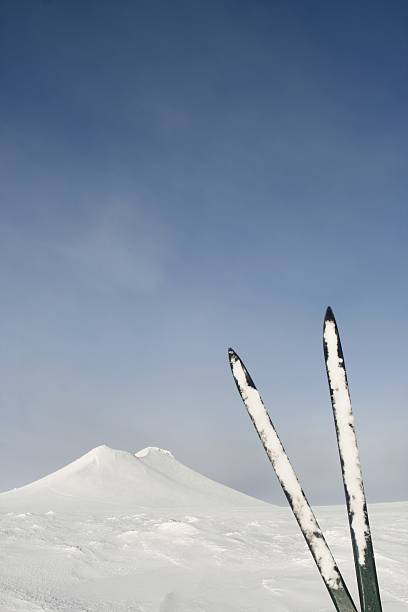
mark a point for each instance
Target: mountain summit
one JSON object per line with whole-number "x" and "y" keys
{"x": 105, "y": 479}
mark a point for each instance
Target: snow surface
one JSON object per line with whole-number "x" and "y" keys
{"x": 119, "y": 532}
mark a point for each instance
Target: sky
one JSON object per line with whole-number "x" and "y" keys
{"x": 177, "y": 178}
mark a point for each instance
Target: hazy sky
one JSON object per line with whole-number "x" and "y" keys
{"x": 179, "y": 177}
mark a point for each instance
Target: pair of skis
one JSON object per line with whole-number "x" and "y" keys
{"x": 351, "y": 471}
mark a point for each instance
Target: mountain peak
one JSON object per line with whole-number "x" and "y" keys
{"x": 101, "y": 452}
{"x": 105, "y": 480}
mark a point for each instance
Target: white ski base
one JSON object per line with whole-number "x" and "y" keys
{"x": 114, "y": 532}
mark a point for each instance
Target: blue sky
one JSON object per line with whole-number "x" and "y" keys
{"x": 176, "y": 178}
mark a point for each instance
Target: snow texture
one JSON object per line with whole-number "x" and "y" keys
{"x": 115, "y": 532}
{"x": 152, "y": 449}
{"x": 286, "y": 475}
{"x": 351, "y": 466}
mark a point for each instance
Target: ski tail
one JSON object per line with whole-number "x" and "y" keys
{"x": 290, "y": 484}
{"x": 351, "y": 468}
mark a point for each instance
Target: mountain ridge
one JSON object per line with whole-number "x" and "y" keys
{"x": 104, "y": 478}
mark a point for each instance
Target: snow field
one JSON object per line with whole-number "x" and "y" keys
{"x": 210, "y": 551}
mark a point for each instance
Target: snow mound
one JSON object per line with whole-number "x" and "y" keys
{"x": 177, "y": 528}
{"x": 105, "y": 481}
{"x": 153, "y": 450}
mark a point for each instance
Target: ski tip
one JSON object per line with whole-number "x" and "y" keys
{"x": 232, "y": 356}
{"x": 235, "y": 359}
{"x": 329, "y": 316}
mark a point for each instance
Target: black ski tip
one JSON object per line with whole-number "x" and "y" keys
{"x": 329, "y": 316}
{"x": 232, "y": 356}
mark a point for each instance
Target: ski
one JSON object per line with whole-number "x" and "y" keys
{"x": 290, "y": 484}
{"x": 351, "y": 468}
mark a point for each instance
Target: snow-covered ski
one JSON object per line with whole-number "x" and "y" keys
{"x": 290, "y": 484}
{"x": 351, "y": 468}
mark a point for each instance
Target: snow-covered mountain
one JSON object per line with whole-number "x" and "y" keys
{"x": 118, "y": 532}
{"x": 106, "y": 479}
